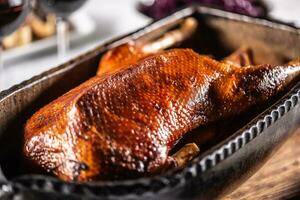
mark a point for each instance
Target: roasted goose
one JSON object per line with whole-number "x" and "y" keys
{"x": 123, "y": 124}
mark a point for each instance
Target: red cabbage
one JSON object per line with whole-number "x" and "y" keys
{"x": 161, "y": 8}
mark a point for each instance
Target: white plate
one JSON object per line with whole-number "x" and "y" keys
{"x": 82, "y": 26}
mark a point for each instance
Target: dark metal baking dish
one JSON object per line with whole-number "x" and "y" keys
{"x": 219, "y": 169}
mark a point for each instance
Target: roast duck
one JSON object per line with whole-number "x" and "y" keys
{"x": 123, "y": 123}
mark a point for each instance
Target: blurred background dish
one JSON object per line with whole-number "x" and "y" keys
{"x": 91, "y": 25}
{"x": 18, "y": 45}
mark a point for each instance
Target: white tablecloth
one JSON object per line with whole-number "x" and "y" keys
{"x": 112, "y": 18}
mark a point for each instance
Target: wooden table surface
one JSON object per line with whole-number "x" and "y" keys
{"x": 279, "y": 178}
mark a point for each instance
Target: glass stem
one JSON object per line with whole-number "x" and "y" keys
{"x": 62, "y": 38}
{"x": 1, "y": 68}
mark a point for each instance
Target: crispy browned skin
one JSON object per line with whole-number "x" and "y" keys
{"x": 123, "y": 125}
{"x": 130, "y": 53}
{"x": 120, "y": 57}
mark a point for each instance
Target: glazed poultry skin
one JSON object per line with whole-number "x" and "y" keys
{"x": 123, "y": 125}
{"x": 123, "y": 56}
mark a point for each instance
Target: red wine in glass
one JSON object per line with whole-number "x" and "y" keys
{"x": 12, "y": 15}
{"x": 62, "y": 9}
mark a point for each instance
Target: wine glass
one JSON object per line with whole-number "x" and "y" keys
{"x": 12, "y": 15}
{"x": 62, "y": 9}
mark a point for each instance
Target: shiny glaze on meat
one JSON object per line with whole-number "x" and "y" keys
{"x": 123, "y": 56}
{"x": 123, "y": 125}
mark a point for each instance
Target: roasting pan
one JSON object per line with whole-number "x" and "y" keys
{"x": 218, "y": 170}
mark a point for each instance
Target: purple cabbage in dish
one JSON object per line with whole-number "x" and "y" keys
{"x": 160, "y": 8}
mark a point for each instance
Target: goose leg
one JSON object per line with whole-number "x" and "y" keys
{"x": 133, "y": 51}
{"x": 181, "y": 158}
{"x": 241, "y": 57}
{"x": 184, "y": 155}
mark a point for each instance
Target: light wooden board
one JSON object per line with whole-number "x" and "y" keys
{"x": 279, "y": 178}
